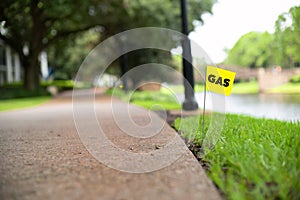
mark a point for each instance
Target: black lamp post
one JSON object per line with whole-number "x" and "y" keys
{"x": 188, "y": 73}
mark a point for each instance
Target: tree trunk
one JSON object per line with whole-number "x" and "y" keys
{"x": 31, "y": 73}
{"x": 123, "y": 66}
{"x": 31, "y": 62}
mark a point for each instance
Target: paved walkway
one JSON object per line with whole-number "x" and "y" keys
{"x": 42, "y": 157}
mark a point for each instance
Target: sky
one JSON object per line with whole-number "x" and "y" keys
{"x": 233, "y": 18}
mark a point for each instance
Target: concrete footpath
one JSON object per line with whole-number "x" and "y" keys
{"x": 42, "y": 156}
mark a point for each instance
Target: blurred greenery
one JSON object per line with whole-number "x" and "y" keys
{"x": 60, "y": 84}
{"x": 58, "y": 26}
{"x": 238, "y": 88}
{"x": 245, "y": 88}
{"x": 20, "y": 103}
{"x": 169, "y": 89}
{"x": 252, "y": 50}
{"x": 287, "y": 39}
{"x": 295, "y": 79}
{"x": 154, "y": 100}
{"x": 288, "y": 88}
{"x": 248, "y": 161}
{"x": 15, "y": 90}
{"x": 65, "y": 57}
{"x": 282, "y": 48}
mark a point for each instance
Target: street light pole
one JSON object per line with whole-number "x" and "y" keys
{"x": 188, "y": 73}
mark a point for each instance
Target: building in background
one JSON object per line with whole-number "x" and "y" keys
{"x": 10, "y": 65}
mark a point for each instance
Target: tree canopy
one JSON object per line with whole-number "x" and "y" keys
{"x": 287, "y": 38}
{"x": 252, "y": 50}
{"x": 39, "y": 24}
{"x": 282, "y": 48}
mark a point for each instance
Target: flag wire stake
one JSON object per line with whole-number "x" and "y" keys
{"x": 204, "y": 101}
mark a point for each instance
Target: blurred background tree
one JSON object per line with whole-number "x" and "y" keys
{"x": 58, "y": 26}
{"x": 287, "y": 38}
{"x": 66, "y": 55}
{"x": 254, "y": 50}
{"x": 38, "y": 24}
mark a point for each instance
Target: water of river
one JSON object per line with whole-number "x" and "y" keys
{"x": 275, "y": 106}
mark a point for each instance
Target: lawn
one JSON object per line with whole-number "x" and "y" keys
{"x": 237, "y": 88}
{"x": 165, "y": 97}
{"x": 289, "y": 88}
{"x": 254, "y": 158}
{"x": 12, "y": 104}
{"x": 245, "y": 88}
{"x": 14, "y": 96}
{"x": 180, "y": 88}
{"x": 154, "y": 100}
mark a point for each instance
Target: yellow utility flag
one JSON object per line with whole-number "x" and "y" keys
{"x": 219, "y": 80}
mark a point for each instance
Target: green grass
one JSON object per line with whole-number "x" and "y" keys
{"x": 66, "y": 84}
{"x": 154, "y": 100}
{"x": 289, "y": 88}
{"x": 238, "y": 88}
{"x": 14, "y": 96}
{"x": 165, "y": 99}
{"x": 254, "y": 158}
{"x": 60, "y": 84}
{"x": 16, "y": 90}
{"x": 13, "y": 104}
{"x": 154, "y": 105}
{"x": 180, "y": 88}
{"x": 172, "y": 89}
{"x": 295, "y": 79}
{"x": 245, "y": 88}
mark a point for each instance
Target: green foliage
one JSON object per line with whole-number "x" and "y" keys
{"x": 178, "y": 89}
{"x": 155, "y": 13}
{"x": 245, "y": 88}
{"x": 60, "y": 84}
{"x": 288, "y": 88}
{"x": 66, "y": 57}
{"x": 160, "y": 14}
{"x": 146, "y": 56}
{"x": 118, "y": 93}
{"x": 12, "y": 91}
{"x": 254, "y": 159}
{"x": 238, "y": 88}
{"x": 15, "y": 90}
{"x": 287, "y": 34}
{"x": 172, "y": 89}
{"x": 264, "y": 50}
{"x": 157, "y": 105}
{"x": 41, "y": 24}
{"x": 252, "y": 50}
{"x": 154, "y": 100}
{"x": 295, "y": 79}
{"x": 13, "y": 104}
